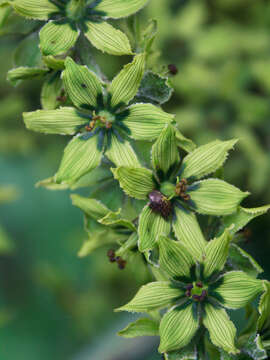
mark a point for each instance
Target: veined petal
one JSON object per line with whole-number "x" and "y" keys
{"x": 120, "y": 8}
{"x": 92, "y": 207}
{"x": 216, "y": 253}
{"x": 141, "y": 327}
{"x": 107, "y": 39}
{"x": 151, "y": 226}
{"x": 146, "y": 121}
{"x": 25, "y": 73}
{"x": 80, "y": 156}
{"x": 51, "y": 91}
{"x": 221, "y": 329}
{"x": 155, "y": 295}
{"x": 264, "y": 307}
{"x": 215, "y": 197}
{"x": 126, "y": 84}
{"x": 177, "y": 328}
{"x": 165, "y": 153}
{"x": 66, "y": 120}
{"x": 82, "y": 85}
{"x": 174, "y": 257}
{"x": 122, "y": 153}
{"x": 206, "y": 159}
{"x": 237, "y": 289}
{"x": 188, "y": 232}
{"x": 57, "y": 37}
{"x": 34, "y": 9}
{"x": 136, "y": 182}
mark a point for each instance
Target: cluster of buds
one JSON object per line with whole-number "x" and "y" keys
{"x": 94, "y": 120}
{"x": 181, "y": 188}
{"x": 121, "y": 262}
{"x": 196, "y": 297}
{"x": 160, "y": 204}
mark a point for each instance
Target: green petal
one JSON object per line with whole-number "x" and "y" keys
{"x": 106, "y": 38}
{"x": 115, "y": 219}
{"x": 92, "y": 207}
{"x": 155, "y": 295}
{"x": 215, "y": 197}
{"x": 241, "y": 260}
{"x": 34, "y": 9}
{"x": 174, "y": 257}
{"x": 122, "y": 153}
{"x": 81, "y": 84}
{"x": 165, "y": 154}
{"x": 54, "y": 63}
{"x": 264, "y": 307}
{"x": 146, "y": 121}
{"x": 5, "y": 11}
{"x": 65, "y": 121}
{"x": 184, "y": 143}
{"x": 237, "y": 289}
{"x": 126, "y": 84}
{"x": 254, "y": 347}
{"x": 120, "y": 8}
{"x": 57, "y": 37}
{"x": 81, "y": 156}
{"x": 206, "y": 159}
{"x": 51, "y": 91}
{"x": 177, "y": 328}
{"x": 188, "y": 232}
{"x": 216, "y": 253}
{"x": 136, "y": 182}
{"x": 141, "y": 327}
{"x": 151, "y": 226}
{"x": 243, "y": 216}
{"x": 221, "y": 329}
{"x": 25, "y": 73}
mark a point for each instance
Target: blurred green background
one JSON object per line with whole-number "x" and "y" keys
{"x": 54, "y": 305}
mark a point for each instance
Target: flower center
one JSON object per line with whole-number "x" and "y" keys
{"x": 160, "y": 204}
{"x": 75, "y": 9}
{"x": 102, "y": 119}
{"x": 197, "y": 291}
{"x": 181, "y": 188}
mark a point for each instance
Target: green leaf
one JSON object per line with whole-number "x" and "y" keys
{"x": 116, "y": 219}
{"x": 254, "y": 348}
{"x": 165, "y": 154}
{"x": 81, "y": 84}
{"x": 264, "y": 307}
{"x": 129, "y": 244}
{"x": 122, "y": 153}
{"x": 50, "y": 184}
{"x": 174, "y": 257}
{"x": 120, "y": 8}
{"x": 216, "y": 253}
{"x": 106, "y": 38}
{"x": 146, "y": 121}
{"x": 51, "y": 92}
{"x": 237, "y": 289}
{"x": 243, "y": 216}
{"x": 141, "y": 327}
{"x": 28, "y": 53}
{"x": 92, "y": 207}
{"x": 154, "y": 89}
{"x": 206, "y": 159}
{"x": 151, "y": 226}
{"x": 188, "y": 232}
{"x": 5, "y": 11}
{"x": 25, "y": 73}
{"x": 184, "y": 143}
{"x": 189, "y": 352}
{"x": 136, "y": 182}
{"x": 66, "y": 120}
{"x": 54, "y": 63}
{"x": 125, "y": 85}
{"x": 155, "y": 295}
{"x": 177, "y": 328}
{"x": 239, "y": 259}
{"x": 221, "y": 329}
{"x": 215, "y": 197}
{"x": 34, "y": 9}
{"x": 80, "y": 156}
{"x": 57, "y": 37}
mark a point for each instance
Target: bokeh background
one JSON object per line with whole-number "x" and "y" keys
{"x": 55, "y": 305}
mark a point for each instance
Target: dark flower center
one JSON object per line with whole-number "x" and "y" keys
{"x": 160, "y": 204}
{"x": 196, "y": 291}
{"x": 181, "y": 188}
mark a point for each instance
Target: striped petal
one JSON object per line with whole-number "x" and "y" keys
{"x": 215, "y": 197}
{"x": 92, "y": 207}
{"x": 237, "y": 289}
{"x": 106, "y": 38}
{"x": 141, "y": 327}
{"x": 25, "y": 73}
{"x": 66, "y": 120}
{"x": 177, "y": 328}
{"x": 51, "y": 92}
{"x": 120, "y": 8}
{"x": 34, "y": 9}
{"x": 221, "y": 329}
{"x": 264, "y": 307}
{"x": 153, "y": 296}
{"x": 146, "y": 121}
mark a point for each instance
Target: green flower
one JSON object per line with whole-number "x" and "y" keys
{"x": 102, "y": 122}
{"x": 196, "y": 294}
{"x": 69, "y": 18}
{"x": 174, "y": 190}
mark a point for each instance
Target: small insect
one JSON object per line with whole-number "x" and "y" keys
{"x": 160, "y": 204}
{"x": 83, "y": 86}
{"x": 173, "y": 69}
